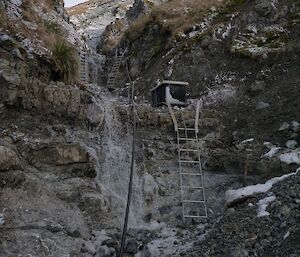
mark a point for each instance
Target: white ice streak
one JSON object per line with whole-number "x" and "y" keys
{"x": 263, "y": 204}
{"x": 292, "y": 157}
{"x": 272, "y": 152}
{"x": 233, "y": 195}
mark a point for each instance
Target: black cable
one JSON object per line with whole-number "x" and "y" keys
{"x": 123, "y": 240}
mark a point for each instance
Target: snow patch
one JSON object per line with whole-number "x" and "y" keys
{"x": 291, "y": 144}
{"x": 284, "y": 126}
{"x": 2, "y": 220}
{"x": 292, "y": 157}
{"x": 263, "y": 204}
{"x": 286, "y": 235}
{"x": 272, "y": 152}
{"x": 165, "y": 245}
{"x": 295, "y": 125}
{"x": 233, "y": 195}
{"x": 247, "y": 141}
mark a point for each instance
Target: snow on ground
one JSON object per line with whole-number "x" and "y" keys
{"x": 286, "y": 235}
{"x": 263, "y": 204}
{"x": 153, "y": 226}
{"x": 167, "y": 245}
{"x": 247, "y": 140}
{"x": 2, "y": 221}
{"x": 291, "y": 157}
{"x": 272, "y": 152}
{"x": 233, "y": 195}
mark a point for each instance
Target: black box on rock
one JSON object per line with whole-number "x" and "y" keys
{"x": 173, "y": 92}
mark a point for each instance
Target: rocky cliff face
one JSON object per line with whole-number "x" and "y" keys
{"x": 65, "y": 149}
{"x": 238, "y": 57}
{"x": 103, "y": 23}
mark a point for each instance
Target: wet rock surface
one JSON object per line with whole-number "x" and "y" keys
{"x": 65, "y": 150}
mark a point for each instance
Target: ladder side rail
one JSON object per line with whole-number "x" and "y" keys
{"x": 185, "y": 131}
{"x": 173, "y": 119}
{"x": 199, "y": 105}
{"x": 201, "y": 171}
{"x": 180, "y": 172}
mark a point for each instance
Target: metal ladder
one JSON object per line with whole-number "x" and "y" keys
{"x": 191, "y": 178}
{"x": 113, "y": 75}
{"x": 83, "y": 68}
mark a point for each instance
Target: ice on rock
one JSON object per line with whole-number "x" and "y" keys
{"x": 2, "y": 221}
{"x": 150, "y": 186}
{"x": 233, "y": 195}
{"x": 272, "y": 152}
{"x": 263, "y": 204}
{"x": 284, "y": 126}
{"x": 291, "y": 144}
{"x": 292, "y": 157}
{"x": 247, "y": 141}
{"x": 286, "y": 235}
{"x": 295, "y": 125}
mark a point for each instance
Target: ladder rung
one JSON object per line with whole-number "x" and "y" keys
{"x": 187, "y": 150}
{"x": 187, "y": 139}
{"x": 184, "y": 161}
{"x": 191, "y": 216}
{"x": 189, "y": 129}
{"x": 193, "y": 201}
{"x": 191, "y": 174}
{"x": 192, "y": 187}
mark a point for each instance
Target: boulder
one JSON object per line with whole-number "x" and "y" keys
{"x": 9, "y": 159}
{"x": 104, "y": 251}
{"x": 131, "y": 246}
{"x": 257, "y": 87}
{"x": 263, "y": 8}
{"x": 73, "y": 153}
{"x": 7, "y": 42}
{"x": 150, "y": 187}
{"x": 62, "y": 154}
{"x": 261, "y": 105}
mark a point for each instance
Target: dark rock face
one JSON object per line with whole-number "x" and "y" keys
{"x": 242, "y": 233}
{"x": 244, "y": 65}
{"x": 136, "y": 10}
{"x": 61, "y": 155}
{"x": 65, "y": 149}
{"x": 9, "y": 158}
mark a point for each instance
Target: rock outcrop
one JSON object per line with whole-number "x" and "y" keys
{"x": 9, "y": 159}
{"x": 65, "y": 150}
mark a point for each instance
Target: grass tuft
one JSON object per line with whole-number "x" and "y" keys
{"x": 66, "y": 61}
{"x": 52, "y": 27}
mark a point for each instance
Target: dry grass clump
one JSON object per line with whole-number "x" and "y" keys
{"x": 47, "y": 5}
{"x": 66, "y": 60}
{"x": 3, "y": 19}
{"x": 77, "y": 10}
{"x": 175, "y": 16}
{"x": 178, "y": 15}
{"x": 47, "y": 31}
{"x": 137, "y": 28}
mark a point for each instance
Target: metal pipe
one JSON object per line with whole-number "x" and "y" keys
{"x": 123, "y": 239}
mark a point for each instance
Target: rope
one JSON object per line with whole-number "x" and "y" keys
{"x": 132, "y": 164}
